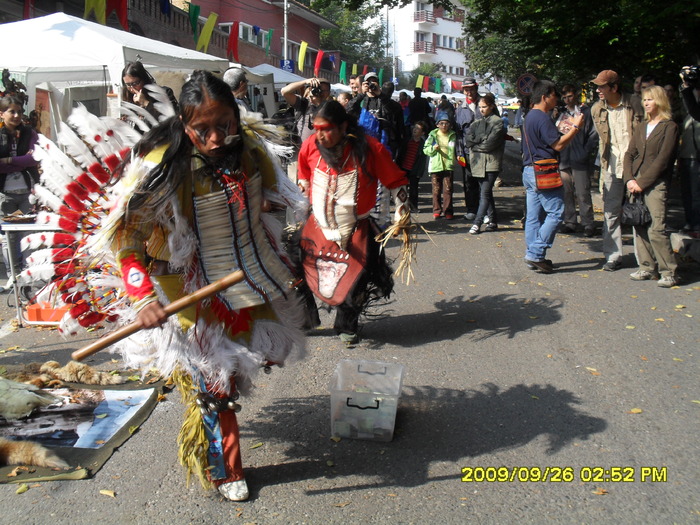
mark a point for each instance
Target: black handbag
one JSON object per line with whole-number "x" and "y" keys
{"x": 635, "y": 212}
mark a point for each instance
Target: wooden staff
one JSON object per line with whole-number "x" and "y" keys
{"x": 170, "y": 309}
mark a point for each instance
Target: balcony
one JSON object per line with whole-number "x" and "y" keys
{"x": 424, "y": 17}
{"x": 424, "y": 47}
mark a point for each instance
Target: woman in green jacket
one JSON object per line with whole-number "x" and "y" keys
{"x": 440, "y": 148}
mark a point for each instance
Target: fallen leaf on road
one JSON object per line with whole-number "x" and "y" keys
{"x": 660, "y": 319}
{"x": 630, "y": 327}
{"x": 585, "y": 275}
{"x": 603, "y": 311}
{"x": 600, "y": 491}
{"x": 533, "y": 317}
{"x": 696, "y": 401}
{"x": 633, "y": 296}
{"x": 392, "y": 495}
{"x": 109, "y": 493}
{"x": 343, "y": 504}
{"x": 162, "y": 397}
{"x": 680, "y": 306}
{"x": 441, "y": 293}
{"x": 257, "y": 445}
{"x": 534, "y": 397}
{"x": 22, "y": 489}
{"x": 688, "y": 315}
{"x": 512, "y": 283}
{"x": 335, "y": 438}
{"x": 643, "y": 358}
{"x": 330, "y": 463}
{"x": 653, "y": 307}
{"x": 15, "y": 472}
{"x": 635, "y": 411}
{"x": 677, "y": 359}
{"x": 101, "y": 416}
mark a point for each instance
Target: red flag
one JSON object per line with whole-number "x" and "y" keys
{"x": 364, "y": 70}
{"x": 232, "y": 47}
{"x": 319, "y": 59}
{"x": 120, "y": 7}
{"x": 426, "y": 83}
{"x": 28, "y": 9}
{"x": 457, "y": 85}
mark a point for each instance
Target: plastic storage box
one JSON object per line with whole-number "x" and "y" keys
{"x": 364, "y": 399}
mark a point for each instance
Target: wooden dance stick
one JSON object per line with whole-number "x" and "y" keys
{"x": 170, "y": 309}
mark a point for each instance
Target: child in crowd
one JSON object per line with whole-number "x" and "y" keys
{"x": 411, "y": 159}
{"x": 440, "y": 147}
{"x": 344, "y": 99}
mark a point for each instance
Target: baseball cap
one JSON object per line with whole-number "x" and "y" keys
{"x": 607, "y": 76}
{"x": 371, "y": 75}
{"x": 442, "y": 115}
{"x": 469, "y": 82}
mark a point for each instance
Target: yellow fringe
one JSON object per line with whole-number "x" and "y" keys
{"x": 405, "y": 229}
{"x": 192, "y": 440}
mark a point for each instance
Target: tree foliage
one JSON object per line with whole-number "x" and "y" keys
{"x": 361, "y": 37}
{"x": 571, "y": 40}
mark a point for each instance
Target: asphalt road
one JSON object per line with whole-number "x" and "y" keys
{"x": 536, "y": 375}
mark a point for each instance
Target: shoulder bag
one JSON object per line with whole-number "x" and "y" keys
{"x": 634, "y": 211}
{"x": 547, "y": 175}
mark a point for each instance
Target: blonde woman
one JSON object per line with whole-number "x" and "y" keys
{"x": 648, "y": 166}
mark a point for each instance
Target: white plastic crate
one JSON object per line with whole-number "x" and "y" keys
{"x": 364, "y": 399}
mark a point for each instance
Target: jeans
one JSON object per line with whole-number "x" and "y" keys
{"x": 487, "y": 204}
{"x": 544, "y": 213}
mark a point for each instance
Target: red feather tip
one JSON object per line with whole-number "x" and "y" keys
{"x": 88, "y": 183}
{"x": 99, "y": 172}
{"x": 77, "y": 190}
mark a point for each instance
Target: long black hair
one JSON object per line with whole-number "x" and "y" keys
{"x": 163, "y": 180}
{"x": 136, "y": 70}
{"x": 334, "y": 112}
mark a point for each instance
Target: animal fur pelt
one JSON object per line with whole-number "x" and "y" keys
{"x": 18, "y": 400}
{"x": 52, "y": 375}
{"x": 28, "y": 453}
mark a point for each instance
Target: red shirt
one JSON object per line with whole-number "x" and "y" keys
{"x": 379, "y": 166}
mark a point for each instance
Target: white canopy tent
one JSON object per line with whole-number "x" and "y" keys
{"x": 63, "y": 48}
{"x": 280, "y": 76}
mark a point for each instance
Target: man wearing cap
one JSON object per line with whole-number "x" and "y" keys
{"x": 464, "y": 116}
{"x": 615, "y": 116}
{"x": 236, "y": 79}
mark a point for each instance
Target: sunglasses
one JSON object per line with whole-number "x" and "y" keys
{"x": 133, "y": 84}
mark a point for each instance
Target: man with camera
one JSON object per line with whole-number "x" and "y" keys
{"x": 316, "y": 92}
{"x": 689, "y": 153}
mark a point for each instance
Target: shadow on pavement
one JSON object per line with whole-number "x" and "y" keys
{"x": 486, "y": 316}
{"x": 433, "y": 425}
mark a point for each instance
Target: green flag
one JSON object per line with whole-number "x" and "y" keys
{"x": 438, "y": 85}
{"x": 194, "y": 18}
{"x": 381, "y": 76}
{"x": 270, "y": 32}
{"x": 343, "y": 72}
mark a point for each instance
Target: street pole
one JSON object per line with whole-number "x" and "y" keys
{"x": 284, "y": 52}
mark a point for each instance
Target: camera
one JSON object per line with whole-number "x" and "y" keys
{"x": 316, "y": 91}
{"x": 690, "y": 75}
{"x": 372, "y": 86}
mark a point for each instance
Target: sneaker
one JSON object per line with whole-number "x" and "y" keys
{"x": 449, "y": 217}
{"x": 643, "y": 275}
{"x": 568, "y": 228}
{"x": 667, "y": 281}
{"x": 543, "y": 266}
{"x": 235, "y": 490}
{"x": 612, "y": 266}
{"x": 533, "y": 267}
{"x": 470, "y": 216}
{"x": 436, "y": 215}
{"x": 475, "y": 230}
{"x": 491, "y": 227}
{"x": 589, "y": 231}
{"x": 349, "y": 339}
{"x": 487, "y": 219}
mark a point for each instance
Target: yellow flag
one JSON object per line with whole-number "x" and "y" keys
{"x": 302, "y": 55}
{"x": 205, "y": 35}
{"x": 354, "y": 69}
{"x": 100, "y": 8}
{"x": 419, "y": 82}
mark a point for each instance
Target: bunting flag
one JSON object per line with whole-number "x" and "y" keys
{"x": 343, "y": 72}
{"x": 256, "y": 30}
{"x": 426, "y": 83}
{"x": 99, "y": 7}
{"x": 354, "y": 69}
{"x": 419, "y": 81}
{"x": 270, "y": 32}
{"x": 457, "y": 85}
{"x": 232, "y": 46}
{"x": 302, "y": 56}
{"x": 28, "y": 10}
{"x": 205, "y": 35}
{"x": 438, "y": 85}
{"x": 317, "y": 65}
{"x": 194, "y": 18}
{"x": 331, "y": 58}
{"x": 165, "y": 7}
{"x": 381, "y": 76}
{"x": 365, "y": 70}
{"x": 120, "y": 7}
